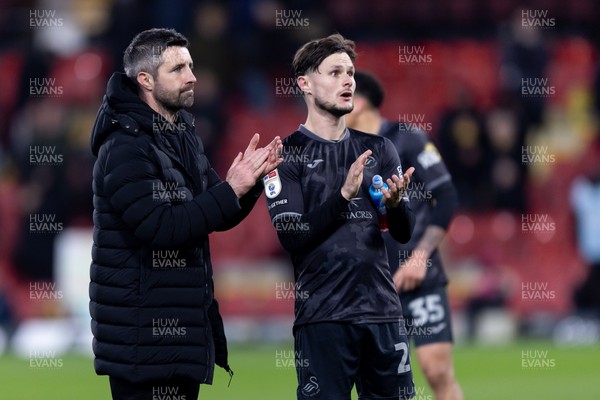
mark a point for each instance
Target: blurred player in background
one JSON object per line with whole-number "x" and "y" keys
{"x": 348, "y": 329}
{"x": 418, "y": 273}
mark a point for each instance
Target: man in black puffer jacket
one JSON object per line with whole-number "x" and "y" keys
{"x": 156, "y": 324}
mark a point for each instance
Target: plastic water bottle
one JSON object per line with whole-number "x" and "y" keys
{"x": 376, "y": 192}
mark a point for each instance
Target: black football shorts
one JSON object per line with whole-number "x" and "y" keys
{"x": 427, "y": 315}
{"x": 332, "y": 357}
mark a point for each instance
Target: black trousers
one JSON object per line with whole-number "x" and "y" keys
{"x": 180, "y": 389}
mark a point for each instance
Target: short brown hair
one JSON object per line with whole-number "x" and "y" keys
{"x": 311, "y": 55}
{"x": 144, "y": 53}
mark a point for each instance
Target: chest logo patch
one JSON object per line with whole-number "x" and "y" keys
{"x": 272, "y": 184}
{"x": 371, "y": 162}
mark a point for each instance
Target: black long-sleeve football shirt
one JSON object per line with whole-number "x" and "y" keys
{"x": 338, "y": 252}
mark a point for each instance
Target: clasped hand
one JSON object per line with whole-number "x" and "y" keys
{"x": 396, "y": 185}
{"x": 253, "y": 164}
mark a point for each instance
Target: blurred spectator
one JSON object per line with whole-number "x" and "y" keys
{"x": 507, "y": 172}
{"x": 212, "y": 44}
{"x": 265, "y": 33}
{"x": 127, "y": 17}
{"x": 39, "y": 150}
{"x": 464, "y": 145}
{"x": 208, "y": 110}
{"x": 166, "y": 14}
{"x": 524, "y": 57}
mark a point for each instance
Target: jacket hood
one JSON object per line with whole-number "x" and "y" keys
{"x": 122, "y": 108}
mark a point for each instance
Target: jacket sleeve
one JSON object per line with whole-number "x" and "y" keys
{"x": 130, "y": 180}
{"x": 246, "y": 202}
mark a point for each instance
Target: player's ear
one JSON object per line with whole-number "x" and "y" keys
{"x": 303, "y": 84}
{"x": 145, "y": 80}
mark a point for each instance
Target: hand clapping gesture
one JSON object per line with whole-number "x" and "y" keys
{"x": 255, "y": 162}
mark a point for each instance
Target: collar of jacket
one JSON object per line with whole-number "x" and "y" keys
{"x": 122, "y": 107}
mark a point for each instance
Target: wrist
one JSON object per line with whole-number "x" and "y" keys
{"x": 346, "y": 195}
{"x": 395, "y": 204}
{"x": 235, "y": 189}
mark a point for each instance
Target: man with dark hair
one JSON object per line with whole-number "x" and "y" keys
{"x": 348, "y": 329}
{"x": 418, "y": 273}
{"x": 156, "y": 325}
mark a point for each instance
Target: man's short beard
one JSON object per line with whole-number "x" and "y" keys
{"x": 172, "y": 101}
{"x": 333, "y": 109}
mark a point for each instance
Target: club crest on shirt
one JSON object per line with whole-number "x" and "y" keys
{"x": 371, "y": 162}
{"x": 272, "y": 184}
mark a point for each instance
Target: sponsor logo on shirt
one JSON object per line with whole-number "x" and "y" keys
{"x": 277, "y": 203}
{"x": 272, "y": 184}
{"x": 371, "y": 162}
{"x": 313, "y": 164}
{"x": 354, "y": 211}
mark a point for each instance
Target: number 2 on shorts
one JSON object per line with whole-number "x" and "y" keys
{"x": 403, "y": 367}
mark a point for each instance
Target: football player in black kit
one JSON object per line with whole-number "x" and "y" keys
{"x": 348, "y": 326}
{"x": 416, "y": 265}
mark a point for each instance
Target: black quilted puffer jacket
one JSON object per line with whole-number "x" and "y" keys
{"x": 154, "y": 316}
